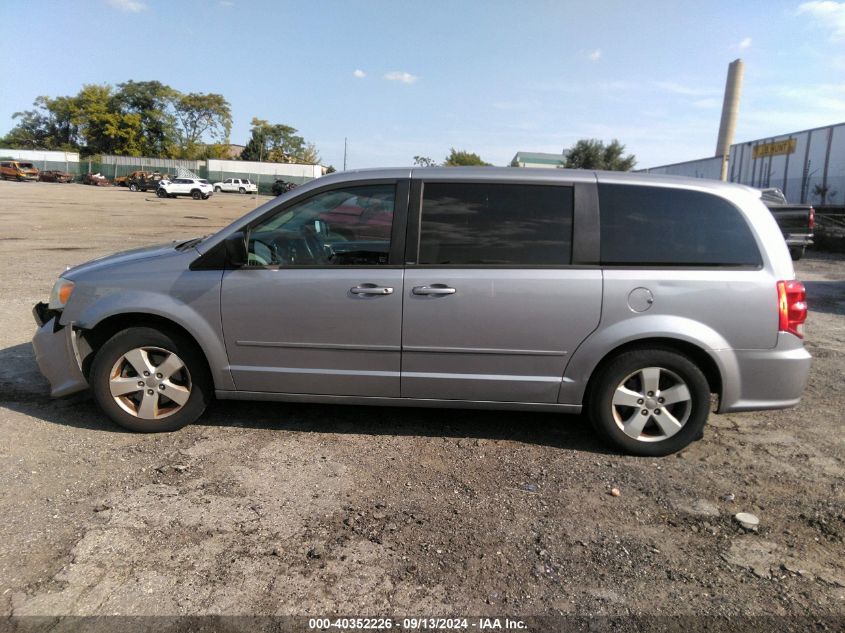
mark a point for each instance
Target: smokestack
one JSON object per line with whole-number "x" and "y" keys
{"x": 730, "y": 110}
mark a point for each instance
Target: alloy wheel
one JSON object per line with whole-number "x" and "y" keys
{"x": 651, "y": 404}
{"x": 150, "y": 383}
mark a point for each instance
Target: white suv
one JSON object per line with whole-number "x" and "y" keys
{"x": 195, "y": 187}
{"x": 236, "y": 185}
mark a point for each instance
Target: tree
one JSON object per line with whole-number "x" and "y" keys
{"x": 153, "y": 102}
{"x": 594, "y": 154}
{"x": 825, "y": 193}
{"x": 278, "y": 143}
{"x": 424, "y": 161}
{"x": 462, "y": 158}
{"x": 199, "y": 115}
{"x": 49, "y": 126}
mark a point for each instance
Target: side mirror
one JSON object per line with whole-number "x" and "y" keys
{"x": 236, "y": 254}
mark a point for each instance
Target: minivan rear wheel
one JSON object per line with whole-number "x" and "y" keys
{"x": 650, "y": 402}
{"x": 150, "y": 381}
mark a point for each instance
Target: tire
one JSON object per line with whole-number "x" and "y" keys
{"x": 161, "y": 193}
{"x": 114, "y": 370}
{"x": 797, "y": 252}
{"x": 206, "y": 196}
{"x": 241, "y": 190}
{"x": 668, "y": 427}
{"x": 133, "y": 187}
{"x": 196, "y": 194}
{"x": 217, "y": 190}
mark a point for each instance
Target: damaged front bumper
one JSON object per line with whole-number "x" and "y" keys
{"x": 56, "y": 353}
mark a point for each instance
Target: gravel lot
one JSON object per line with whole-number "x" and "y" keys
{"x": 271, "y": 508}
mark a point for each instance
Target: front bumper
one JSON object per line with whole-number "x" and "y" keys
{"x": 56, "y": 353}
{"x": 764, "y": 379}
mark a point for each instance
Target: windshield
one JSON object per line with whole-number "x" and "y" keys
{"x": 25, "y": 165}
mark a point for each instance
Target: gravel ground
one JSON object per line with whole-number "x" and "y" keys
{"x": 270, "y": 508}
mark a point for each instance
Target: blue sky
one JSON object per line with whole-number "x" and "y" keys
{"x": 401, "y": 78}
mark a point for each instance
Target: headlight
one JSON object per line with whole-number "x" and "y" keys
{"x": 60, "y": 294}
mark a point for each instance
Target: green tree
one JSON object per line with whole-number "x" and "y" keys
{"x": 278, "y": 143}
{"x": 201, "y": 116}
{"x": 462, "y": 158}
{"x": 49, "y": 125}
{"x": 154, "y": 102}
{"x": 594, "y": 154}
{"x": 425, "y": 161}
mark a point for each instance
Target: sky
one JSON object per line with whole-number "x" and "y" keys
{"x": 400, "y": 78}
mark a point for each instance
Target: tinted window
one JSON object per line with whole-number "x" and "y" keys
{"x": 482, "y": 223}
{"x": 664, "y": 226}
{"x": 341, "y": 227}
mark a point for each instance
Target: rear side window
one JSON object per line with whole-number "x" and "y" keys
{"x": 495, "y": 224}
{"x": 658, "y": 226}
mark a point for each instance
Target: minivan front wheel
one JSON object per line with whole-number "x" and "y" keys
{"x": 650, "y": 402}
{"x": 149, "y": 380}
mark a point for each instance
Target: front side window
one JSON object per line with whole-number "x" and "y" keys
{"x": 662, "y": 226}
{"x": 341, "y": 227}
{"x": 496, "y": 224}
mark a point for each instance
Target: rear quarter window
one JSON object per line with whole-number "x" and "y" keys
{"x": 662, "y": 226}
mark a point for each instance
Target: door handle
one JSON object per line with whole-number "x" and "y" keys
{"x": 369, "y": 289}
{"x": 436, "y": 289}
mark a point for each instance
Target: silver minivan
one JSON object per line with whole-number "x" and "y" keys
{"x": 630, "y": 297}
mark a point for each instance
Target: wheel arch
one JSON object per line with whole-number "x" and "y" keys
{"x": 698, "y": 355}
{"x": 93, "y": 338}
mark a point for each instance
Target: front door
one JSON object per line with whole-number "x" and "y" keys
{"x": 318, "y": 309}
{"x": 493, "y": 307}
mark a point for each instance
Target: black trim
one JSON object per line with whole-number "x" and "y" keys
{"x": 412, "y": 239}
{"x": 400, "y": 219}
{"x": 586, "y": 245}
{"x": 213, "y": 259}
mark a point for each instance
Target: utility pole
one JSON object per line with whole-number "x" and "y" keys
{"x": 344, "y": 153}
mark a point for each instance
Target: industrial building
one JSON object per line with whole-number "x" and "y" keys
{"x": 808, "y": 166}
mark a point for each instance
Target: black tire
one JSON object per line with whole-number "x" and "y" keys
{"x": 797, "y": 252}
{"x": 133, "y": 187}
{"x": 121, "y": 343}
{"x": 206, "y": 196}
{"x": 217, "y": 189}
{"x": 603, "y": 414}
{"x": 161, "y": 193}
{"x": 241, "y": 190}
{"x": 196, "y": 194}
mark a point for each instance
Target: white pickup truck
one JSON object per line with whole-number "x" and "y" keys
{"x": 236, "y": 185}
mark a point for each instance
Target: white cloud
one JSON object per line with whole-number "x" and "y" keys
{"x": 707, "y": 103}
{"x": 595, "y": 55}
{"x": 399, "y": 75}
{"x": 745, "y": 43}
{"x": 358, "y": 73}
{"x": 681, "y": 89}
{"x": 828, "y": 14}
{"x": 130, "y": 6}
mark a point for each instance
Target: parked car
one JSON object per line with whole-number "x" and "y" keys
{"x": 236, "y": 185}
{"x": 147, "y": 181}
{"x": 54, "y": 175}
{"x": 18, "y": 170}
{"x": 98, "y": 180}
{"x": 282, "y": 186}
{"x": 123, "y": 181}
{"x": 197, "y": 188}
{"x": 796, "y": 221}
{"x": 631, "y": 297}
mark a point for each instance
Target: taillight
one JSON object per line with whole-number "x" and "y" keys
{"x": 792, "y": 307}
{"x": 812, "y": 217}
